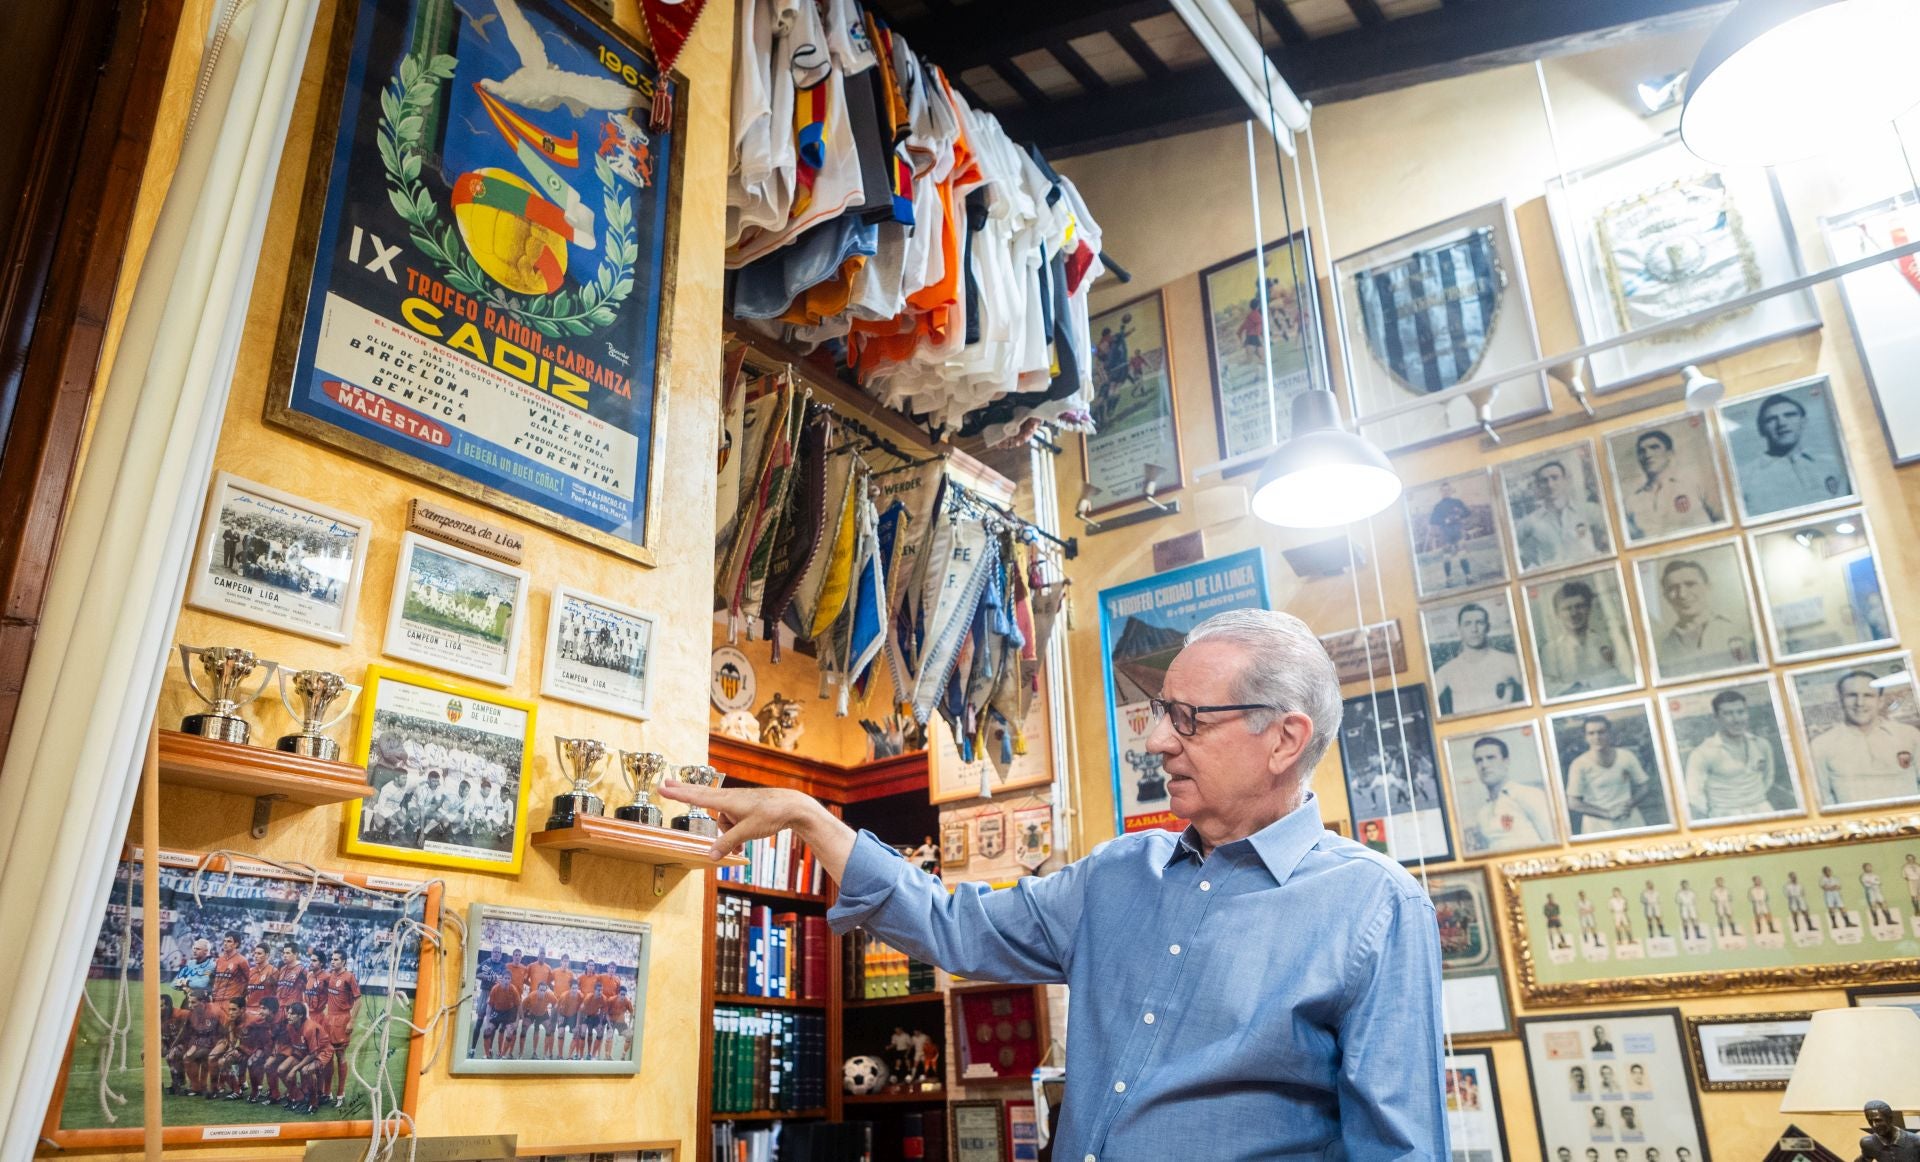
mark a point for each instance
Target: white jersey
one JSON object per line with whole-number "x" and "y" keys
{"x": 1772, "y": 483}
{"x": 1609, "y": 788}
{"x": 1482, "y": 679}
{"x": 1572, "y": 664}
{"x": 1513, "y": 819}
{"x": 1758, "y": 894}
{"x": 1722, "y": 901}
{"x": 1912, "y": 873}
{"x": 1715, "y": 643}
{"x": 1547, "y": 536}
{"x": 1853, "y": 764}
{"x": 1796, "y": 895}
{"x": 1688, "y": 901}
{"x": 1728, "y": 777}
{"x": 1871, "y": 882}
{"x": 1619, "y": 906}
{"x": 1672, "y": 503}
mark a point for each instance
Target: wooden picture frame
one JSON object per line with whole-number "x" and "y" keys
{"x": 1394, "y": 797}
{"x": 1473, "y": 985}
{"x": 1113, "y": 459}
{"x": 976, "y": 1132}
{"x": 1761, "y": 1047}
{"x": 1023, "y": 1130}
{"x": 1236, "y": 365}
{"x": 1000, "y": 1032}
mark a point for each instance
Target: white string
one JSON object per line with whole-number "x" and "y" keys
{"x": 1260, "y": 280}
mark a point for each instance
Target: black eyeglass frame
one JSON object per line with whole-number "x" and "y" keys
{"x": 1161, "y": 708}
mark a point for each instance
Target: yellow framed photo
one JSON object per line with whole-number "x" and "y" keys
{"x": 449, "y": 765}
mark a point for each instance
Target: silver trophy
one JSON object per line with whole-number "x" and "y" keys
{"x": 226, "y": 669}
{"x": 317, "y": 691}
{"x": 580, "y": 757}
{"x": 696, "y": 820}
{"x": 643, "y": 772}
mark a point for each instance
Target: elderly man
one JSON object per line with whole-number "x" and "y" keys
{"x": 1254, "y": 987}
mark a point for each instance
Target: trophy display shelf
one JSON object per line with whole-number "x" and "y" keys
{"x": 266, "y": 776}
{"x": 899, "y": 1097}
{"x": 662, "y": 847}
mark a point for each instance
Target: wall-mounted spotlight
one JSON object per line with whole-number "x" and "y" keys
{"x": 1483, "y": 410}
{"x": 1572, "y": 375}
{"x": 1084, "y": 507}
{"x": 1150, "y": 477}
{"x": 1703, "y": 390}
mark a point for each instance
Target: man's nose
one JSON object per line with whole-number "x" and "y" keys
{"x": 1161, "y": 737}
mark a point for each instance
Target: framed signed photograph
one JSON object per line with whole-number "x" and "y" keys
{"x": 1697, "y": 606}
{"x": 457, "y": 611}
{"x": 1820, "y": 587}
{"x": 1475, "y": 1128}
{"x": 1137, "y": 433}
{"x": 1747, "y": 1051}
{"x": 1613, "y": 1084}
{"x": 1788, "y": 453}
{"x": 272, "y": 558}
{"x": 1238, "y": 336}
{"x": 1732, "y": 760}
{"x": 1473, "y": 652}
{"x": 1883, "y": 310}
{"x": 1393, "y": 777}
{"x": 599, "y": 653}
{"x": 1666, "y": 479}
{"x": 1556, "y": 508}
{"x": 1501, "y": 790}
{"x": 1454, "y": 525}
{"x": 1612, "y": 779}
{"x": 1583, "y": 645}
{"x": 1860, "y": 720}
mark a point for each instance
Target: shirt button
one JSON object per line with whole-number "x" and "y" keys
{"x": 1090, "y": 1158}
{"x": 1119, "y": 1087}
{"x": 1206, "y": 885}
{"x": 1149, "y": 1018}
{"x": 1175, "y": 950}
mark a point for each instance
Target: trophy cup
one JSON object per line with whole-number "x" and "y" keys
{"x": 226, "y": 669}
{"x": 643, "y": 772}
{"x": 696, "y": 820}
{"x": 317, "y": 690}
{"x": 580, "y": 756}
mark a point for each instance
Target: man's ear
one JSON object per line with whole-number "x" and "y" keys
{"x": 1291, "y": 732}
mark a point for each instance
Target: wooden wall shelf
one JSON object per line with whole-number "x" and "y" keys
{"x": 888, "y": 1002}
{"x": 770, "y": 1002}
{"x": 661, "y": 847}
{"x": 763, "y": 766}
{"x": 768, "y": 1115}
{"x": 266, "y": 776}
{"x": 905, "y": 1097}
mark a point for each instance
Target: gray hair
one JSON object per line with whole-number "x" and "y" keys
{"x": 1286, "y": 668}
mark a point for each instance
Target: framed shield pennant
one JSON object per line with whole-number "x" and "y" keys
{"x": 1033, "y": 836}
{"x": 991, "y": 831}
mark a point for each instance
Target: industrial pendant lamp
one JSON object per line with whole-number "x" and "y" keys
{"x": 1324, "y": 475}
{"x": 1781, "y": 80}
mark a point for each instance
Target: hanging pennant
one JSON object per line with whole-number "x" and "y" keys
{"x": 669, "y": 23}
{"x": 990, "y": 829}
{"x": 1033, "y": 836}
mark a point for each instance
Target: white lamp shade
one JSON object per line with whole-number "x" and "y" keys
{"x": 1854, "y": 1056}
{"x": 1324, "y": 476}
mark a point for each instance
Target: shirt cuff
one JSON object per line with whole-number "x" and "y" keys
{"x": 874, "y": 870}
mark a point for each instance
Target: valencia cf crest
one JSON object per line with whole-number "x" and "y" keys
{"x": 1429, "y": 316}
{"x": 1738, "y": 648}
{"x": 1606, "y": 654}
{"x": 454, "y": 710}
{"x": 1906, "y": 760}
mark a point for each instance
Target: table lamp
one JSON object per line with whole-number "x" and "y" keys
{"x": 1854, "y": 1056}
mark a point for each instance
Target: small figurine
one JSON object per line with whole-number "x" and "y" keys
{"x": 926, "y": 1066}
{"x": 1886, "y": 1141}
{"x": 927, "y": 855}
{"x": 740, "y": 724}
{"x": 900, "y": 1055}
{"x": 780, "y": 723}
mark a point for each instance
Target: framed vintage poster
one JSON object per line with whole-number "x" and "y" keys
{"x": 277, "y": 560}
{"x": 1583, "y": 644}
{"x": 1613, "y": 1082}
{"x": 1788, "y": 451}
{"x": 229, "y": 920}
{"x": 1143, "y": 624}
{"x": 1666, "y": 480}
{"x": 1658, "y": 234}
{"x": 1860, "y": 720}
{"x": 1556, "y": 508}
{"x": 1244, "y": 397}
{"x": 978, "y": 1132}
{"x": 1475, "y": 1128}
{"x": 1613, "y": 780}
{"x": 1444, "y": 305}
{"x": 1747, "y": 1051}
{"x": 1138, "y": 436}
{"x": 598, "y": 653}
{"x": 456, "y": 611}
{"x": 1473, "y": 653}
{"x": 551, "y": 992}
{"x": 1814, "y": 906}
{"x": 1393, "y": 776}
{"x": 482, "y": 280}
{"x": 1696, "y": 605}
{"x": 450, "y": 766}
{"x": 1501, "y": 790}
{"x": 1732, "y": 760}
{"x": 1883, "y": 310}
{"x": 1454, "y": 525}
{"x": 1820, "y": 587}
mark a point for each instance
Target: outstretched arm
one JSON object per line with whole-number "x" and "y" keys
{"x": 757, "y": 812}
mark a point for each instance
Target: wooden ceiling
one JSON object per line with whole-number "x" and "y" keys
{"x": 1073, "y": 76}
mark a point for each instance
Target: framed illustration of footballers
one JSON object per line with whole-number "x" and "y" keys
{"x": 1239, "y": 337}
{"x": 1504, "y": 798}
{"x": 1697, "y": 607}
{"x": 1860, "y": 720}
{"x": 1666, "y": 479}
{"x": 1583, "y": 646}
{"x": 1137, "y": 434}
{"x": 1393, "y": 775}
{"x": 1556, "y": 508}
{"x": 1473, "y": 652}
{"x": 1612, "y": 779}
{"x": 598, "y": 653}
{"x": 1788, "y": 452}
{"x": 550, "y": 992}
{"x": 1732, "y": 760}
{"x": 1820, "y": 587}
{"x": 1475, "y": 1127}
{"x": 1454, "y": 525}
{"x": 278, "y": 560}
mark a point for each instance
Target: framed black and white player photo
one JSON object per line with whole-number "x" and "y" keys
{"x": 1583, "y": 646}
{"x": 456, "y": 611}
{"x": 1475, "y": 1127}
{"x": 1666, "y": 479}
{"x": 598, "y": 653}
{"x": 552, "y": 992}
{"x": 278, "y": 560}
{"x": 1393, "y": 776}
{"x": 1788, "y": 453}
{"x": 1613, "y": 1085}
{"x": 1820, "y": 587}
{"x": 1732, "y": 760}
{"x": 1503, "y": 798}
{"x": 1697, "y": 606}
{"x": 1454, "y": 525}
{"x": 1746, "y": 1051}
{"x": 1473, "y": 652}
{"x": 1556, "y": 508}
{"x": 1612, "y": 780}
{"x": 1860, "y": 720}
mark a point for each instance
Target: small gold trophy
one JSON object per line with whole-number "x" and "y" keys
{"x": 696, "y": 821}
{"x": 226, "y": 669}
{"x": 579, "y": 757}
{"x": 643, "y": 772}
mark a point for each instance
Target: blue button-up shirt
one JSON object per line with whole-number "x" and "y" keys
{"x": 1279, "y": 998}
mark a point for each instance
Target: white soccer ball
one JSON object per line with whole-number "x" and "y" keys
{"x": 864, "y": 1074}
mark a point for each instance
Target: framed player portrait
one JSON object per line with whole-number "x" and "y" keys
{"x": 1612, "y": 780}
{"x": 456, "y": 611}
{"x": 1502, "y": 794}
{"x": 1788, "y": 453}
{"x": 1860, "y": 720}
{"x": 1820, "y": 587}
{"x": 598, "y": 654}
{"x": 1393, "y": 775}
{"x": 1454, "y": 525}
{"x": 1583, "y": 646}
{"x": 1473, "y": 653}
{"x": 1475, "y": 1126}
{"x": 284, "y": 991}
{"x": 1696, "y": 605}
{"x": 1666, "y": 479}
{"x": 550, "y": 992}
{"x": 1556, "y": 508}
{"x": 1732, "y": 760}
{"x": 277, "y": 560}
{"x": 1746, "y": 1051}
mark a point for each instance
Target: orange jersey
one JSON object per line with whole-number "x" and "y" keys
{"x": 517, "y": 976}
{"x": 563, "y": 981}
{"x": 315, "y": 1043}
{"x": 259, "y": 984}
{"x": 286, "y": 1037}
{"x": 316, "y": 993}
{"x": 619, "y": 1009}
{"x": 595, "y": 1005}
{"x": 589, "y": 983}
{"x": 207, "y": 1020}
{"x": 539, "y": 973}
{"x": 609, "y": 985}
{"x": 538, "y": 1005}
{"x": 570, "y": 1003}
{"x": 256, "y": 1031}
{"x": 230, "y": 977}
{"x": 343, "y": 988}
{"x": 173, "y": 1028}
{"x": 503, "y": 999}
{"x": 289, "y": 984}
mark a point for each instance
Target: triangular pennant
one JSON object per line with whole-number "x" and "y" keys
{"x": 669, "y": 23}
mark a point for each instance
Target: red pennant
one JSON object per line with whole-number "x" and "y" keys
{"x": 669, "y": 23}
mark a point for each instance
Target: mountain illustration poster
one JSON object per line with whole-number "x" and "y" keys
{"x": 482, "y": 277}
{"x": 1143, "y": 624}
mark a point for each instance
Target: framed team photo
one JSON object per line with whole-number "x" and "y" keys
{"x": 1473, "y": 653}
{"x": 1788, "y": 453}
{"x": 1583, "y": 646}
{"x": 1393, "y": 776}
{"x": 1613, "y": 1084}
{"x": 456, "y": 611}
{"x": 279, "y": 990}
{"x": 1732, "y": 761}
{"x": 1697, "y": 607}
{"x": 1475, "y": 1127}
{"x": 1556, "y": 508}
{"x": 1612, "y": 780}
{"x": 1666, "y": 479}
{"x": 1454, "y": 525}
{"x": 275, "y": 559}
{"x": 1820, "y": 587}
{"x": 450, "y": 766}
{"x": 550, "y": 992}
{"x": 1860, "y": 720}
{"x": 1904, "y": 996}
{"x": 1472, "y": 988}
{"x": 1502, "y": 793}
{"x": 1746, "y": 1051}
{"x": 598, "y": 654}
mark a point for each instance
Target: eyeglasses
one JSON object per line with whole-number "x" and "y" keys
{"x": 1185, "y": 715}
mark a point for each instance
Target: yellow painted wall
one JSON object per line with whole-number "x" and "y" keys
{"x": 1391, "y": 164}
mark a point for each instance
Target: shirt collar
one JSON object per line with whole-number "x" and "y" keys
{"x": 1281, "y": 845}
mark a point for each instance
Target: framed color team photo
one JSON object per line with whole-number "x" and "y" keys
{"x": 1697, "y": 607}
{"x": 1860, "y": 720}
{"x": 1556, "y": 508}
{"x": 1746, "y": 1051}
{"x": 456, "y": 611}
{"x": 272, "y": 558}
{"x": 1473, "y": 990}
{"x": 1393, "y": 776}
{"x": 1613, "y": 1082}
{"x": 450, "y": 767}
{"x": 1238, "y": 337}
{"x": 1613, "y": 782}
{"x": 1788, "y": 453}
{"x": 1732, "y": 760}
{"x": 1666, "y": 479}
{"x": 1820, "y": 587}
{"x": 1454, "y": 525}
{"x": 1138, "y": 428}
{"x": 1475, "y": 1127}
{"x": 1473, "y": 652}
{"x": 1583, "y": 646}
{"x": 1502, "y": 792}
{"x": 598, "y": 654}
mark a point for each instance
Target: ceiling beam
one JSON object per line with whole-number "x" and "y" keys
{"x": 1367, "y": 12}
{"x": 1148, "y": 60}
{"x": 1277, "y": 14}
{"x": 988, "y": 30}
{"x": 1017, "y": 80}
{"x": 1077, "y": 66}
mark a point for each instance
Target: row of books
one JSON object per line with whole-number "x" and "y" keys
{"x": 871, "y": 968}
{"x": 782, "y": 863}
{"x": 763, "y": 953}
{"x": 804, "y": 1142}
{"x": 768, "y": 1059}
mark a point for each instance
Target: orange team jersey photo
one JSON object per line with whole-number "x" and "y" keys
{"x": 502, "y": 998}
